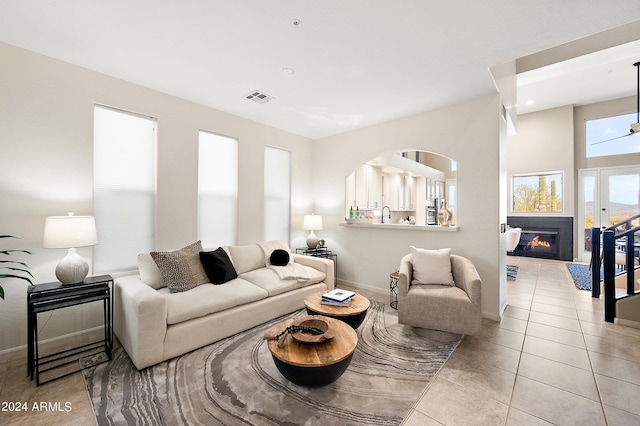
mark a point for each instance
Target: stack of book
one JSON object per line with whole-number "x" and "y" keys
{"x": 337, "y": 297}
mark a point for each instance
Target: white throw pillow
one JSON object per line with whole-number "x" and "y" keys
{"x": 431, "y": 266}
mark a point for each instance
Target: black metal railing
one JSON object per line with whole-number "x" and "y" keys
{"x": 616, "y": 239}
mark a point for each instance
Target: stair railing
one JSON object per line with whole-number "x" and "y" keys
{"x": 609, "y": 237}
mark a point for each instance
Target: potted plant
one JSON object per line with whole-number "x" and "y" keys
{"x": 14, "y": 267}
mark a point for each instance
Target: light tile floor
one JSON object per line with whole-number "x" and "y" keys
{"x": 551, "y": 360}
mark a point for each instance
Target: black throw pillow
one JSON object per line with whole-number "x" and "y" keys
{"x": 218, "y": 266}
{"x": 279, "y": 257}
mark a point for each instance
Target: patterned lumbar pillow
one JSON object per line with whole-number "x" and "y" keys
{"x": 431, "y": 266}
{"x": 279, "y": 257}
{"x": 218, "y": 266}
{"x": 181, "y": 269}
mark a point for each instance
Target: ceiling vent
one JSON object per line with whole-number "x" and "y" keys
{"x": 259, "y": 97}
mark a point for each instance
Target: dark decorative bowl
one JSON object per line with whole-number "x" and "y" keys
{"x": 314, "y": 321}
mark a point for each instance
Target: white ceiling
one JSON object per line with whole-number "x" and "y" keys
{"x": 599, "y": 76}
{"x": 356, "y": 63}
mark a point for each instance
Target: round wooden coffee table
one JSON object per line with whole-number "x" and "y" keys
{"x": 353, "y": 314}
{"x": 313, "y": 364}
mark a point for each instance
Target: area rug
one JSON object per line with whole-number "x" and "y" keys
{"x": 235, "y": 381}
{"x": 581, "y": 275}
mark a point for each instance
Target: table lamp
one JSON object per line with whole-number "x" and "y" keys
{"x": 70, "y": 232}
{"x": 312, "y": 223}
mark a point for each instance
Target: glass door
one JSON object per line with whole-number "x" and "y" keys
{"x": 588, "y": 204}
{"x": 607, "y": 196}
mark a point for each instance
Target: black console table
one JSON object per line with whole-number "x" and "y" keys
{"x": 51, "y": 296}
{"x": 322, "y": 252}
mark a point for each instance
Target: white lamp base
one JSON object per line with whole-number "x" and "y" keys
{"x": 312, "y": 240}
{"x": 72, "y": 268}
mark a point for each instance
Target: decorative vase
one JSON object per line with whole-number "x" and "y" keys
{"x": 445, "y": 216}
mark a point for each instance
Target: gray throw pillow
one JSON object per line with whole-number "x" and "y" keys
{"x": 181, "y": 269}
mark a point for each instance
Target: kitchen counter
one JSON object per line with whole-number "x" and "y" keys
{"x": 401, "y": 226}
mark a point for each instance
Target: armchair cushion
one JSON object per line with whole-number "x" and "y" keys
{"x": 431, "y": 266}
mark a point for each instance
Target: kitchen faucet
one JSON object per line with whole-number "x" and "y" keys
{"x": 386, "y": 207}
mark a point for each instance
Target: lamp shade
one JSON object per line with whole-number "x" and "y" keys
{"x": 312, "y": 222}
{"x": 69, "y": 231}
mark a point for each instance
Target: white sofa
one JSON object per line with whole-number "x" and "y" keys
{"x": 153, "y": 324}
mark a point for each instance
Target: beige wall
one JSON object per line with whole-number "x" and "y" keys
{"x": 544, "y": 142}
{"x": 46, "y": 139}
{"x": 46, "y": 113}
{"x": 468, "y": 133}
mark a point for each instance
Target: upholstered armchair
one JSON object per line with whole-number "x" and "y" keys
{"x": 454, "y": 306}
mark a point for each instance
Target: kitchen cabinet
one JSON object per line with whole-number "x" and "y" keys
{"x": 392, "y": 191}
{"x": 368, "y": 187}
{"x": 407, "y": 193}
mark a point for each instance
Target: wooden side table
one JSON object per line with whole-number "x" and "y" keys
{"x": 353, "y": 314}
{"x": 55, "y": 295}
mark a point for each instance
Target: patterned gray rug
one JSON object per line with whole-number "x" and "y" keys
{"x": 235, "y": 381}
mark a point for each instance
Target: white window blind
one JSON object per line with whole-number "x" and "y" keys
{"x": 123, "y": 188}
{"x": 277, "y": 194}
{"x": 217, "y": 190}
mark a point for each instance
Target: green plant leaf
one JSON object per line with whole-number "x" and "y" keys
{"x": 15, "y": 261}
{"x": 18, "y": 269}
{"x": 14, "y": 268}
{"x": 16, "y": 276}
{"x": 8, "y": 252}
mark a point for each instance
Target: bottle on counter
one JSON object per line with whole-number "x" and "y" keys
{"x": 445, "y": 216}
{"x": 350, "y": 212}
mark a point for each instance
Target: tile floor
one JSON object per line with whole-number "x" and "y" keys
{"x": 551, "y": 360}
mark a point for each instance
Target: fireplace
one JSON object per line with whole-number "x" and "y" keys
{"x": 534, "y": 243}
{"x": 544, "y": 237}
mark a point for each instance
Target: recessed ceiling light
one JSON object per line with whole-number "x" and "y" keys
{"x": 287, "y": 71}
{"x": 297, "y": 23}
{"x": 529, "y": 102}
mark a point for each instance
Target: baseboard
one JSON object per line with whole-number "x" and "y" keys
{"x": 370, "y": 288}
{"x": 491, "y": 316}
{"x": 71, "y": 339}
{"x": 627, "y": 323}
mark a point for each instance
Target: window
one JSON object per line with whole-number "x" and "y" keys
{"x": 124, "y": 149}
{"x": 277, "y": 194}
{"x": 537, "y": 193}
{"x": 217, "y": 190}
{"x": 600, "y": 136}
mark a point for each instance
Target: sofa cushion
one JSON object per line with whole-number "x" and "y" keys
{"x": 149, "y": 272}
{"x": 279, "y": 257}
{"x": 209, "y": 298}
{"x": 268, "y": 279}
{"x": 431, "y": 266}
{"x": 247, "y": 258}
{"x": 218, "y": 266}
{"x": 181, "y": 269}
